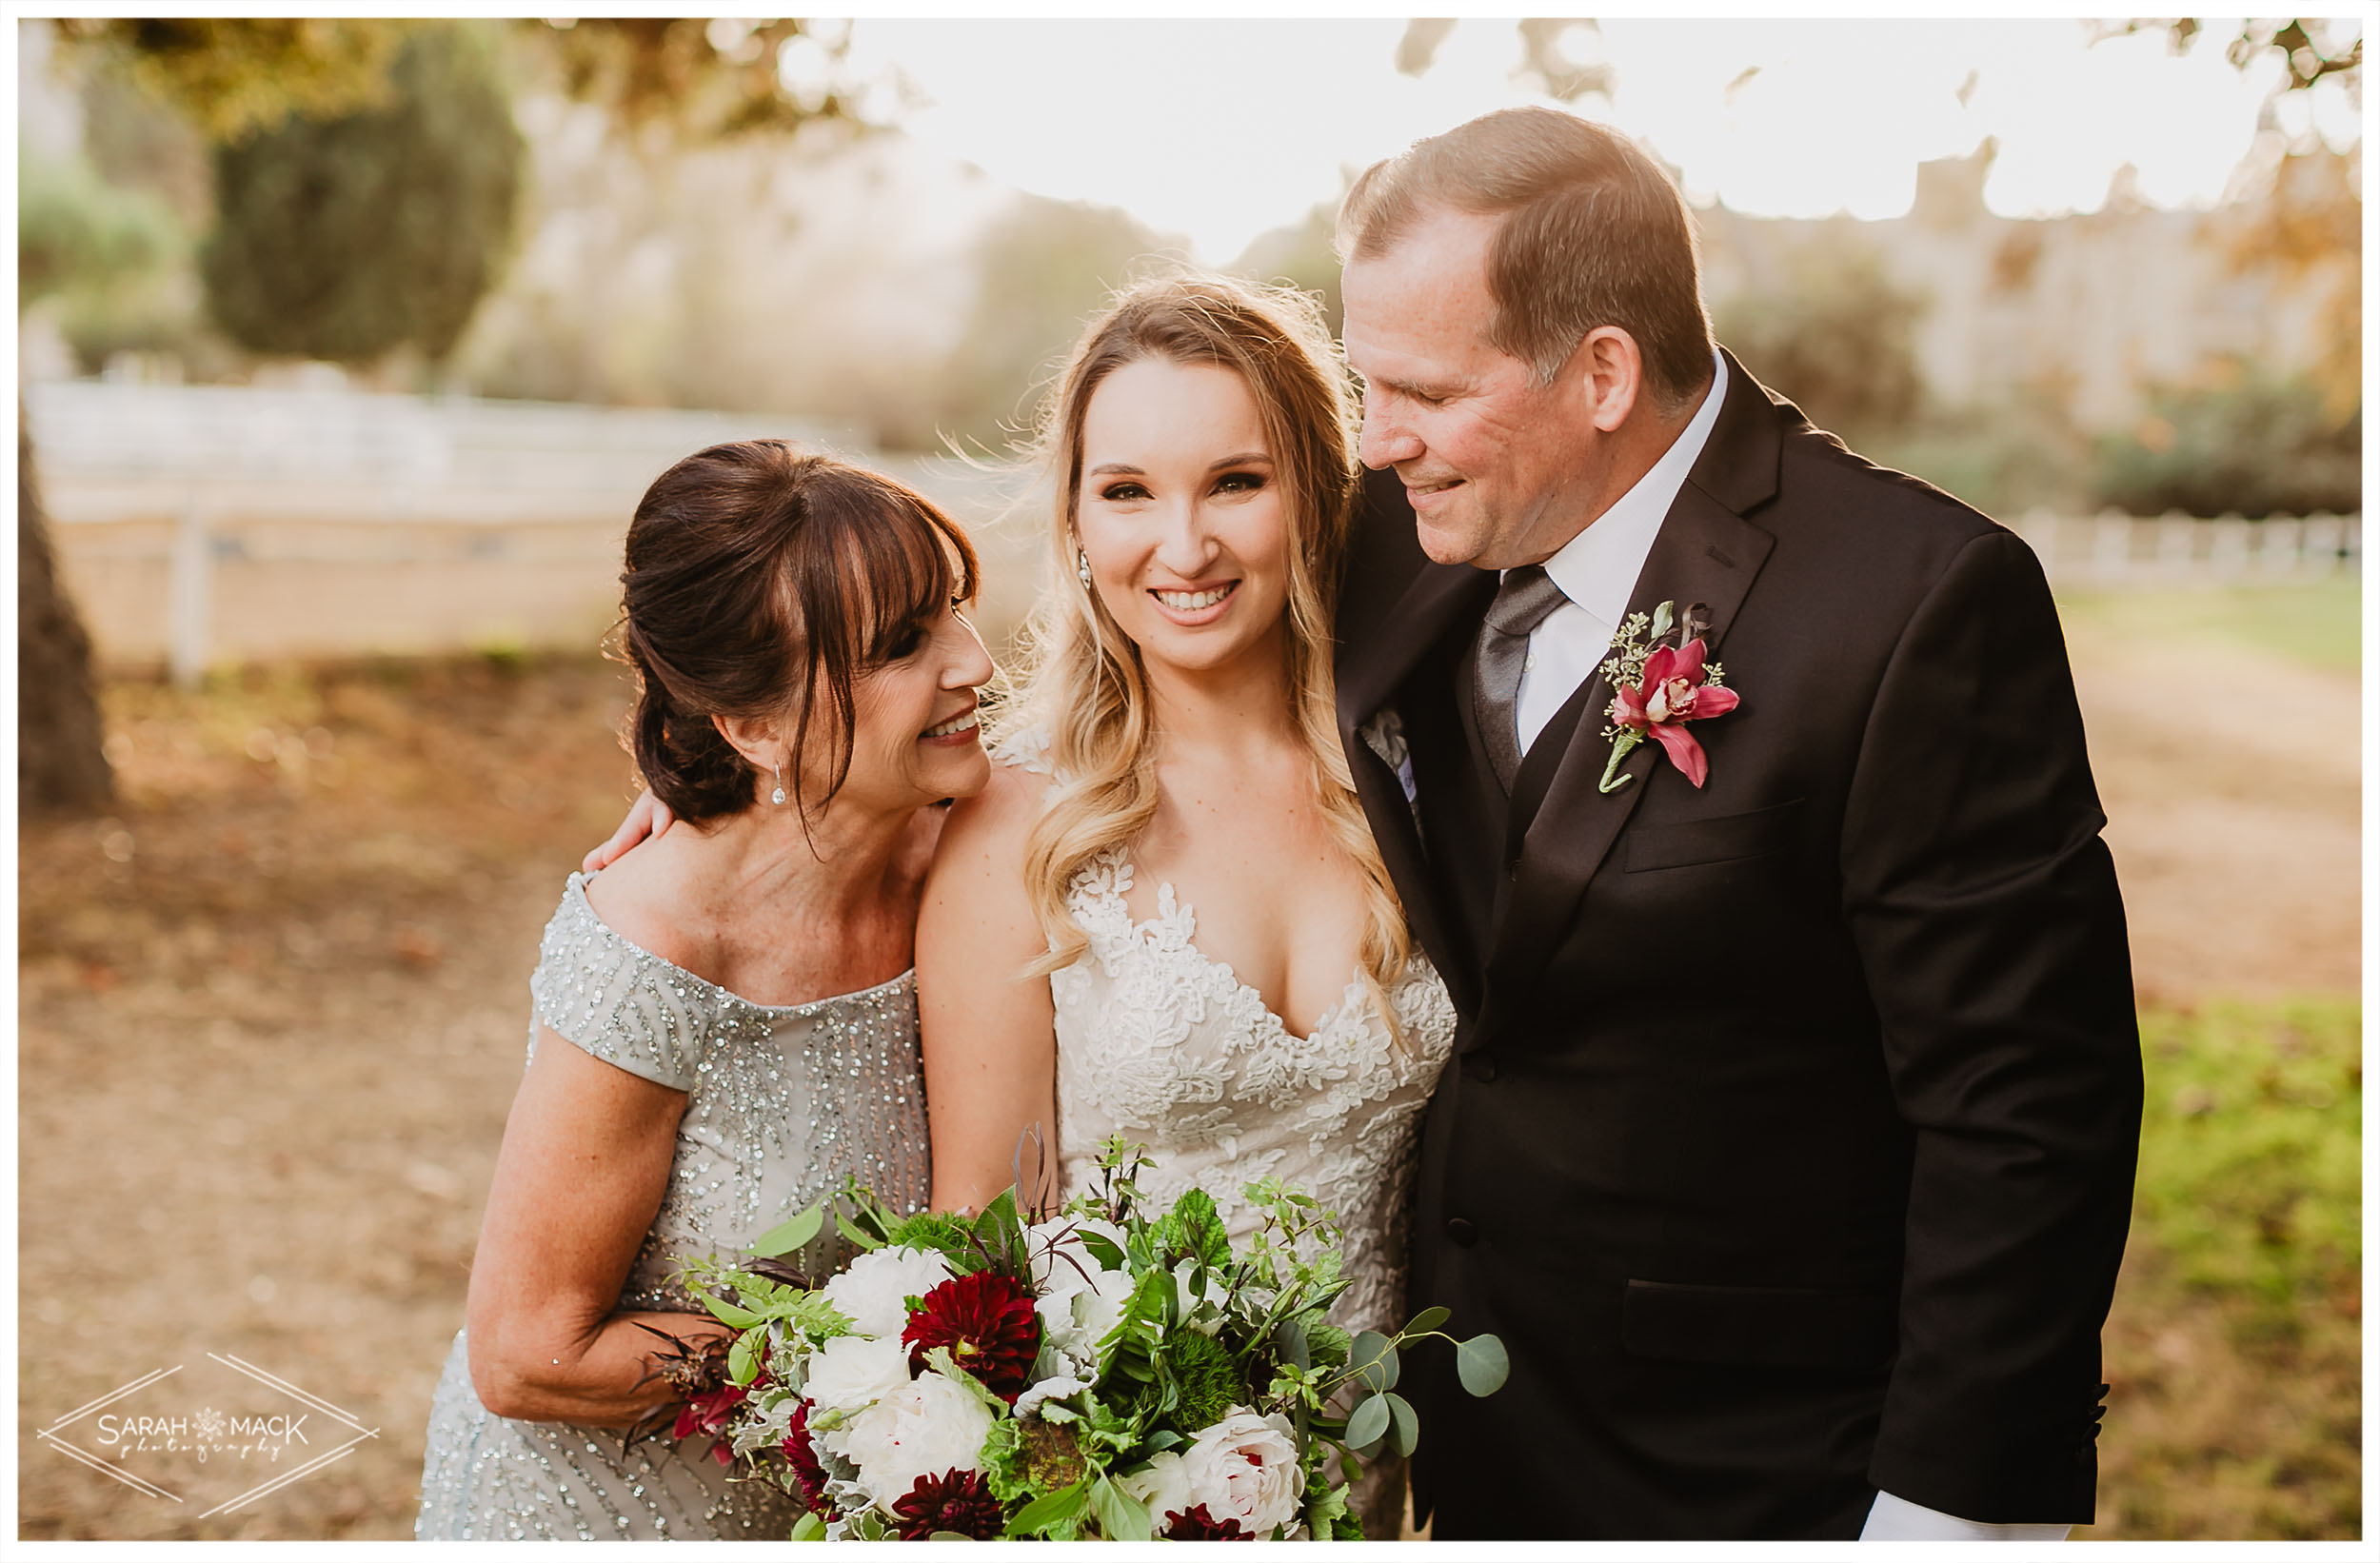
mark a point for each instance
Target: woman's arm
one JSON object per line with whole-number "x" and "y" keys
{"x": 586, "y": 1160}
{"x": 991, "y": 1056}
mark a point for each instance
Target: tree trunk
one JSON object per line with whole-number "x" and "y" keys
{"x": 58, "y": 760}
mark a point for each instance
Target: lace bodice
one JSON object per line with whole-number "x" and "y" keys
{"x": 1168, "y": 1048}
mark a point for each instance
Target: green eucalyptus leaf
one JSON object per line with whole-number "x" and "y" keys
{"x": 1289, "y": 1339}
{"x": 1372, "y": 1360}
{"x": 1404, "y": 1428}
{"x": 1481, "y": 1364}
{"x": 1426, "y": 1321}
{"x": 781, "y": 1240}
{"x": 1367, "y": 1421}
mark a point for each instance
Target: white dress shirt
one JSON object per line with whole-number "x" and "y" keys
{"x": 1597, "y": 572}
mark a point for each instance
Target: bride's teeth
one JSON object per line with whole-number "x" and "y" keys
{"x": 1190, "y": 601}
{"x": 956, "y": 724}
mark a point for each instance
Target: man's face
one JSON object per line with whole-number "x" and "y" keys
{"x": 1498, "y": 469}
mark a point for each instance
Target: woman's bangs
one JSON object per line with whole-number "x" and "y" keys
{"x": 910, "y": 565}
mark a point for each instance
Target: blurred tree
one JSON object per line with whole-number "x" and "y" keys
{"x": 1301, "y": 254}
{"x": 232, "y": 78}
{"x": 59, "y": 760}
{"x": 76, "y": 231}
{"x": 344, "y": 238}
{"x": 1042, "y": 269}
{"x": 2241, "y": 445}
{"x": 1835, "y": 333}
{"x": 691, "y": 79}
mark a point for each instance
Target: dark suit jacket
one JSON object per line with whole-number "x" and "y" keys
{"x": 1789, "y": 1142}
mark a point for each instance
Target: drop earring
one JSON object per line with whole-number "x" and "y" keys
{"x": 1082, "y": 568}
{"x": 778, "y": 797}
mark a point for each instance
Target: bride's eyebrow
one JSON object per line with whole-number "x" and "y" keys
{"x": 1118, "y": 468}
{"x": 1246, "y": 458}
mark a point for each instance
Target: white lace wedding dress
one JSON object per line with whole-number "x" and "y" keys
{"x": 1166, "y": 1047}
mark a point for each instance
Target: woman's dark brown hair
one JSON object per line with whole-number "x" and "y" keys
{"x": 756, "y": 577}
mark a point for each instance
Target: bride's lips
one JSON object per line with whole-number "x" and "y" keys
{"x": 1214, "y": 600}
{"x": 954, "y": 732}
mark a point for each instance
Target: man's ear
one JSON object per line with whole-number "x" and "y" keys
{"x": 757, "y": 741}
{"x": 1609, "y": 373}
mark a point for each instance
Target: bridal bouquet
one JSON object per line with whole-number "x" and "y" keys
{"x": 1109, "y": 1372}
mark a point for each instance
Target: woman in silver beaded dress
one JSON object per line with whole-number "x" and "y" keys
{"x": 727, "y": 1013}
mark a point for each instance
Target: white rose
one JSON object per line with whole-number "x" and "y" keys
{"x": 924, "y": 1427}
{"x": 870, "y": 1292}
{"x": 1244, "y": 1468}
{"x": 1162, "y": 1488}
{"x": 1076, "y": 1321}
{"x": 851, "y": 1373}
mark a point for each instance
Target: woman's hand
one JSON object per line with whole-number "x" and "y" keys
{"x": 586, "y": 1160}
{"x": 990, "y": 1052}
{"x": 648, "y": 817}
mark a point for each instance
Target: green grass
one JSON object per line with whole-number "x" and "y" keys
{"x": 2234, "y": 1346}
{"x": 2319, "y": 623}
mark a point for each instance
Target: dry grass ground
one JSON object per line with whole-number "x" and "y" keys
{"x": 271, "y": 1012}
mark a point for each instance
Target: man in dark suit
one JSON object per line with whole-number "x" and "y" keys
{"x": 1790, "y": 1136}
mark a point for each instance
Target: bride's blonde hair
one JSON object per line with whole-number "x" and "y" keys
{"x": 1080, "y": 681}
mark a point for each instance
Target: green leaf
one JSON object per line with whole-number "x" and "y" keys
{"x": 948, "y": 1535}
{"x": 1404, "y": 1428}
{"x": 809, "y": 1527}
{"x": 1122, "y": 1516}
{"x": 1373, "y": 1363}
{"x": 1290, "y": 1342}
{"x": 728, "y": 1314}
{"x": 1426, "y": 1321}
{"x": 743, "y": 1366}
{"x": 1481, "y": 1364}
{"x": 1662, "y": 619}
{"x": 1368, "y": 1422}
{"x": 1050, "y": 1510}
{"x": 1102, "y": 1249}
{"x": 780, "y": 1241}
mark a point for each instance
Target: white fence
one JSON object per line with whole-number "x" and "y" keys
{"x": 198, "y": 523}
{"x": 2112, "y": 550}
{"x": 205, "y": 524}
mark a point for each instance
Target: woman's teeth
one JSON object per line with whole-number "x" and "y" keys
{"x": 1190, "y": 601}
{"x": 963, "y": 722}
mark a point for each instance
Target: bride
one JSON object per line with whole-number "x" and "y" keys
{"x": 1171, "y": 837}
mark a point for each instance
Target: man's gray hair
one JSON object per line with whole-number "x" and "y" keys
{"x": 1594, "y": 234}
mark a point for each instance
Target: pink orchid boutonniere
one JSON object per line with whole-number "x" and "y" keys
{"x": 1657, "y": 689}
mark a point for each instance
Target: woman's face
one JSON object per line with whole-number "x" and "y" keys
{"x": 1182, "y": 514}
{"x": 913, "y": 724}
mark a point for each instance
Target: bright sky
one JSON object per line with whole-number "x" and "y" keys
{"x": 1222, "y": 129}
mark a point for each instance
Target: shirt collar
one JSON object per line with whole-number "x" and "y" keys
{"x": 1599, "y": 568}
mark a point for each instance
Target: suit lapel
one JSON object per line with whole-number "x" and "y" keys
{"x": 1441, "y": 599}
{"x": 1706, "y": 553}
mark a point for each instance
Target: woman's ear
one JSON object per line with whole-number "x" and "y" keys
{"x": 759, "y": 742}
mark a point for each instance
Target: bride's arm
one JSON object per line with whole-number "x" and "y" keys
{"x": 991, "y": 1056}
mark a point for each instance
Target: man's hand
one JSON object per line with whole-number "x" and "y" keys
{"x": 648, "y": 817}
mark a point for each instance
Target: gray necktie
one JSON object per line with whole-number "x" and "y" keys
{"x": 1522, "y": 603}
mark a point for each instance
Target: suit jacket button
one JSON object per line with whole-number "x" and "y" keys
{"x": 1461, "y": 1233}
{"x": 1480, "y": 1066}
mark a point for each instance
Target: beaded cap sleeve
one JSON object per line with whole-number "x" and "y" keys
{"x": 608, "y": 996}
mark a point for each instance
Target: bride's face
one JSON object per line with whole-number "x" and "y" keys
{"x": 1182, "y": 514}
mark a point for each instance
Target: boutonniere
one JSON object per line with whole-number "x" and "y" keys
{"x": 1657, "y": 690}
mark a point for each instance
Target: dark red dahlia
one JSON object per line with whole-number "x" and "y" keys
{"x": 803, "y": 1462}
{"x": 956, "y": 1502}
{"x": 987, "y": 1321}
{"x": 1196, "y": 1524}
{"x": 708, "y": 1412}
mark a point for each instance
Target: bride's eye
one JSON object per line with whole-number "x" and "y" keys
{"x": 1239, "y": 482}
{"x": 1123, "y": 493}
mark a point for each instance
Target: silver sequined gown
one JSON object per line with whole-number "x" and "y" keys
{"x": 781, "y": 1103}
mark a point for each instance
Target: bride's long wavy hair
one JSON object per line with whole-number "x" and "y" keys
{"x": 1080, "y": 680}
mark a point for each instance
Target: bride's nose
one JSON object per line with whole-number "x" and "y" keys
{"x": 1185, "y": 545}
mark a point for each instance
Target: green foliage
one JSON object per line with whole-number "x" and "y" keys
{"x": 2250, "y": 1157}
{"x": 701, "y": 78}
{"x": 77, "y": 233}
{"x": 233, "y": 77}
{"x": 2250, "y": 446}
{"x": 1208, "y": 1378}
{"x": 344, "y": 238}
